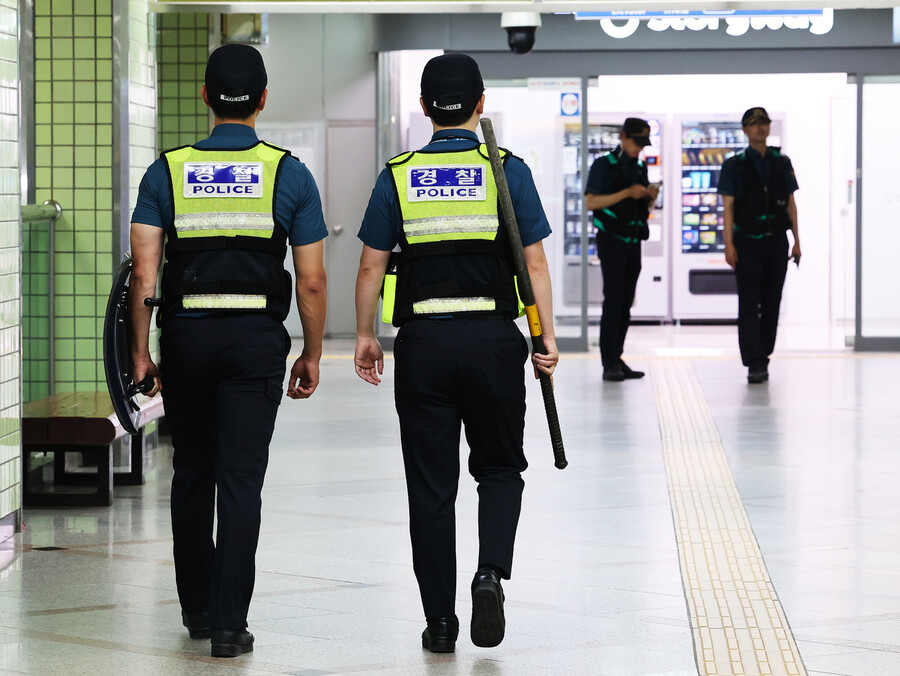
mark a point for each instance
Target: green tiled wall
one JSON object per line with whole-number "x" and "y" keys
{"x": 10, "y": 330}
{"x": 74, "y": 165}
{"x": 75, "y": 161}
{"x": 183, "y": 50}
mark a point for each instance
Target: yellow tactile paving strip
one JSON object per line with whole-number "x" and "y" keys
{"x": 737, "y": 621}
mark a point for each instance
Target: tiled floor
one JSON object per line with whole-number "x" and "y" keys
{"x": 597, "y": 588}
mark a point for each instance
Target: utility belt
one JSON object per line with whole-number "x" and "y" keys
{"x": 743, "y": 232}
{"x": 622, "y": 238}
{"x": 467, "y": 316}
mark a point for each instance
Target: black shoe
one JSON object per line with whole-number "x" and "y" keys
{"x": 631, "y": 374}
{"x": 231, "y": 642}
{"x": 614, "y": 373}
{"x": 757, "y": 375}
{"x": 440, "y": 634}
{"x": 488, "y": 623}
{"x": 197, "y": 624}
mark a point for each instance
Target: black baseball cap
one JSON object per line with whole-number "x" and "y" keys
{"x": 637, "y": 130}
{"x": 755, "y": 115}
{"x": 235, "y": 73}
{"x": 452, "y": 82}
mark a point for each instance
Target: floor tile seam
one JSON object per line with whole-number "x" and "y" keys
{"x": 684, "y": 416}
{"x": 848, "y": 643}
{"x": 847, "y": 620}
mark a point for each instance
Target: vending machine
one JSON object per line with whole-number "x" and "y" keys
{"x": 652, "y": 295}
{"x": 703, "y": 284}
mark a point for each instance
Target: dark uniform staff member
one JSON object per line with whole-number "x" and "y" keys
{"x": 459, "y": 355}
{"x": 226, "y": 208}
{"x": 621, "y": 197}
{"x": 757, "y": 187}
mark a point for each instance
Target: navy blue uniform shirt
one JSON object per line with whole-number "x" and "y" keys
{"x": 730, "y": 179}
{"x": 382, "y": 226}
{"x": 298, "y": 208}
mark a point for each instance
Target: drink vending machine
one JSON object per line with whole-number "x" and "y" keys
{"x": 703, "y": 284}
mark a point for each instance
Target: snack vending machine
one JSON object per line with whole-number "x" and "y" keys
{"x": 652, "y": 296}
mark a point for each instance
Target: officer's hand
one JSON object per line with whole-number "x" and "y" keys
{"x": 304, "y": 377}
{"x": 369, "y": 359}
{"x": 637, "y": 191}
{"x": 653, "y": 190}
{"x": 143, "y": 368}
{"x": 731, "y": 255}
{"x": 546, "y": 362}
{"x": 795, "y": 254}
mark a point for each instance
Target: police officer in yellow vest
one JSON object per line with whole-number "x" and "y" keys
{"x": 224, "y": 211}
{"x": 459, "y": 356}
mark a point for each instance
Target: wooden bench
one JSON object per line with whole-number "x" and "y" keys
{"x": 80, "y": 422}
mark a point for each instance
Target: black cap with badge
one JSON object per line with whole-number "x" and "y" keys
{"x": 755, "y": 116}
{"x": 235, "y": 73}
{"x": 637, "y": 130}
{"x": 452, "y": 82}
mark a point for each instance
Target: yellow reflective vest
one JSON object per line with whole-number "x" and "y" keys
{"x": 454, "y": 254}
{"x": 225, "y": 251}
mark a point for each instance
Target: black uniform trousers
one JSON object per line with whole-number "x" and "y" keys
{"x": 452, "y": 371}
{"x": 620, "y": 264}
{"x": 222, "y": 381}
{"x": 760, "y": 272}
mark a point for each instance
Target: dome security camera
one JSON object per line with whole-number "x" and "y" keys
{"x": 520, "y": 28}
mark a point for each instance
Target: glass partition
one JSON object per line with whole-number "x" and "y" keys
{"x": 539, "y": 120}
{"x": 878, "y": 276}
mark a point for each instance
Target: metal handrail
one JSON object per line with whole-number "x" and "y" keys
{"x": 48, "y": 211}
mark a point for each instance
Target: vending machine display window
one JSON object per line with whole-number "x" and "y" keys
{"x": 704, "y": 148}
{"x": 602, "y": 138}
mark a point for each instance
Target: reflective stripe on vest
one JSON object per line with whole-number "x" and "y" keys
{"x": 432, "y": 306}
{"x": 223, "y": 301}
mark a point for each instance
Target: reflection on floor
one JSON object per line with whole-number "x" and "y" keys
{"x": 597, "y": 587}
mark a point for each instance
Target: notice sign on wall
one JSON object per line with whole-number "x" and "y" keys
{"x": 570, "y": 104}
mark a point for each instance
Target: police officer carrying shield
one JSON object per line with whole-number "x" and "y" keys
{"x": 459, "y": 356}
{"x": 224, "y": 211}
{"x": 757, "y": 187}
{"x": 621, "y": 197}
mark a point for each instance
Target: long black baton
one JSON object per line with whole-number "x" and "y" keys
{"x": 526, "y": 292}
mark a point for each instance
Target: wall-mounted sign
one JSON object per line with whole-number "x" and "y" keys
{"x": 551, "y": 83}
{"x": 570, "y": 104}
{"x": 623, "y": 24}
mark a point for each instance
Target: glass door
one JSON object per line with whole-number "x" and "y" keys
{"x": 878, "y": 237}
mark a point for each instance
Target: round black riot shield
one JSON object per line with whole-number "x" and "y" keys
{"x": 117, "y": 352}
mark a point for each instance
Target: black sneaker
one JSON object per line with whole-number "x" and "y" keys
{"x": 488, "y": 623}
{"x": 631, "y": 374}
{"x": 440, "y": 634}
{"x": 757, "y": 375}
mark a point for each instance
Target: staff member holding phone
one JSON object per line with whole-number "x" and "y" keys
{"x": 757, "y": 187}
{"x": 621, "y": 197}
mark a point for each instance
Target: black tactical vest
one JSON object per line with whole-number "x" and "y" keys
{"x": 761, "y": 208}
{"x": 628, "y": 217}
